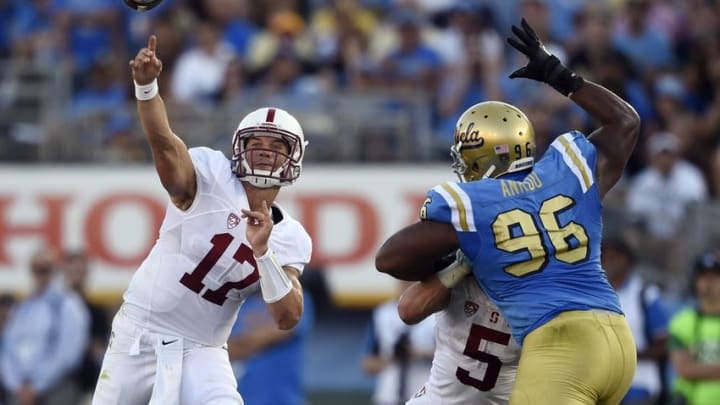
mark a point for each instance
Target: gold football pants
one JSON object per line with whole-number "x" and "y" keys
{"x": 578, "y": 357}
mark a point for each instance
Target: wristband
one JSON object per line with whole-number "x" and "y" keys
{"x": 144, "y": 92}
{"x": 562, "y": 79}
{"x": 274, "y": 282}
{"x": 452, "y": 274}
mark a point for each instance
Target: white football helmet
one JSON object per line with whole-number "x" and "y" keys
{"x": 274, "y": 122}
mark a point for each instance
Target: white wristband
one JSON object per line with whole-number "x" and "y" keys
{"x": 453, "y": 273}
{"x": 144, "y": 92}
{"x": 274, "y": 282}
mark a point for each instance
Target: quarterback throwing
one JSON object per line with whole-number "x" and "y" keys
{"x": 223, "y": 237}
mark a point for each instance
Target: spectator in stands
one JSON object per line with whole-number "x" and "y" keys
{"x": 413, "y": 65}
{"x": 7, "y": 301}
{"x": 399, "y": 355}
{"x": 473, "y": 59}
{"x": 659, "y": 195}
{"x": 341, "y": 31}
{"x": 649, "y": 48}
{"x": 200, "y": 70}
{"x": 90, "y": 29}
{"x": 285, "y": 33}
{"x": 33, "y": 32}
{"x": 76, "y": 269}
{"x": 262, "y": 353}
{"x": 695, "y": 338}
{"x": 45, "y": 340}
{"x": 231, "y": 18}
{"x": 642, "y": 304}
{"x": 101, "y": 91}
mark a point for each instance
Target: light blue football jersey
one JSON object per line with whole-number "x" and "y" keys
{"x": 533, "y": 236}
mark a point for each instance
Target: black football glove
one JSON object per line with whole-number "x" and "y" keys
{"x": 542, "y": 66}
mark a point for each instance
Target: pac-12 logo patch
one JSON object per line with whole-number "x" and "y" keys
{"x": 471, "y": 308}
{"x": 233, "y": 221}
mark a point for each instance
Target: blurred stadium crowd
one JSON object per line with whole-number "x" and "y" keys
{"x": 371, "y": 81}
{"x": 382, "y": 81}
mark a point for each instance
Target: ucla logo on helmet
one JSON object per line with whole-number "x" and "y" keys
{"x": 470, "y": 136}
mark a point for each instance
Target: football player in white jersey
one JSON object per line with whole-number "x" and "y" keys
{"x": 223, "y": 237}
{"x": 475, "y": 356}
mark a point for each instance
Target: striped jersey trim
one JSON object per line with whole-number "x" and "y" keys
{"x": 458, "y": 201}
{"x": 575, "y": 160}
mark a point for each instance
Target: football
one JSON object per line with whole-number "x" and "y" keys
{"x": 142, "y": 5}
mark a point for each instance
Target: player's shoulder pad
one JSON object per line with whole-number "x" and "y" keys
{"x": 290, "y": 242}
{"x": 449, "y": 203}
{"x": 210, "y": 164}
{"x": 580, "y": 156}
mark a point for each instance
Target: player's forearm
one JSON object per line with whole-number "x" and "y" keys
{"x": 411, "y": 253}
{"x": 697, "y": 371}
{"x": 422, "y": 299}
{"x": 156, "y": 126}
{"x": 170, "y": 155}
{"x": 604, "y": 105}
{"x": 615, "y": 139}
{"x": 287, "y": 310}
{"x": 687, "y": 367}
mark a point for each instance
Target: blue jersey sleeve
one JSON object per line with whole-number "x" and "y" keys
{"x": 449, "y": 203}
{"x": 435, "y": 208}
{"x": 587, "y": 149}
{"x": 579, "y": 155}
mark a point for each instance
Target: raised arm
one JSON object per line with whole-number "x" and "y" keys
{"x": 171, "y": 157}
{"x": 620, "y": 123}
{"x": 617, "y": 135}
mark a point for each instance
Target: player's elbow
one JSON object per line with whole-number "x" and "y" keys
{"x": 286, "y": 312}
{"x": 390, "y": 263}
{"x": 408, "y": 312}
{"x": 629, "y": 121}
{"x": 384, "y": 261}
{"x": 288, "y": 319}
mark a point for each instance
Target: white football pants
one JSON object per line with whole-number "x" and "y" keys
{"x": 143, "y": 368}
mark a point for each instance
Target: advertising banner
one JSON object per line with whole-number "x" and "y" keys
{"x": 114, "y": 212}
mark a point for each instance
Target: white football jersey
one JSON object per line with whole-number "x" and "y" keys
{"x": 476, "y": 358}
{"x": 202, "y": 268}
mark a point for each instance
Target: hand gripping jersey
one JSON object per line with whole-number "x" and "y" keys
{"x": 202, "y": 268}
{"x": 533, "y": 237}
{"x": 475, "y": 357}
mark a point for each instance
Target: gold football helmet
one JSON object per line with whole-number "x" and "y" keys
{"x": 492, "y": 138}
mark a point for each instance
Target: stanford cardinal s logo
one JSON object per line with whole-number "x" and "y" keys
{"x": 471, "y": 308}
{"x": 233, "y": 221}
